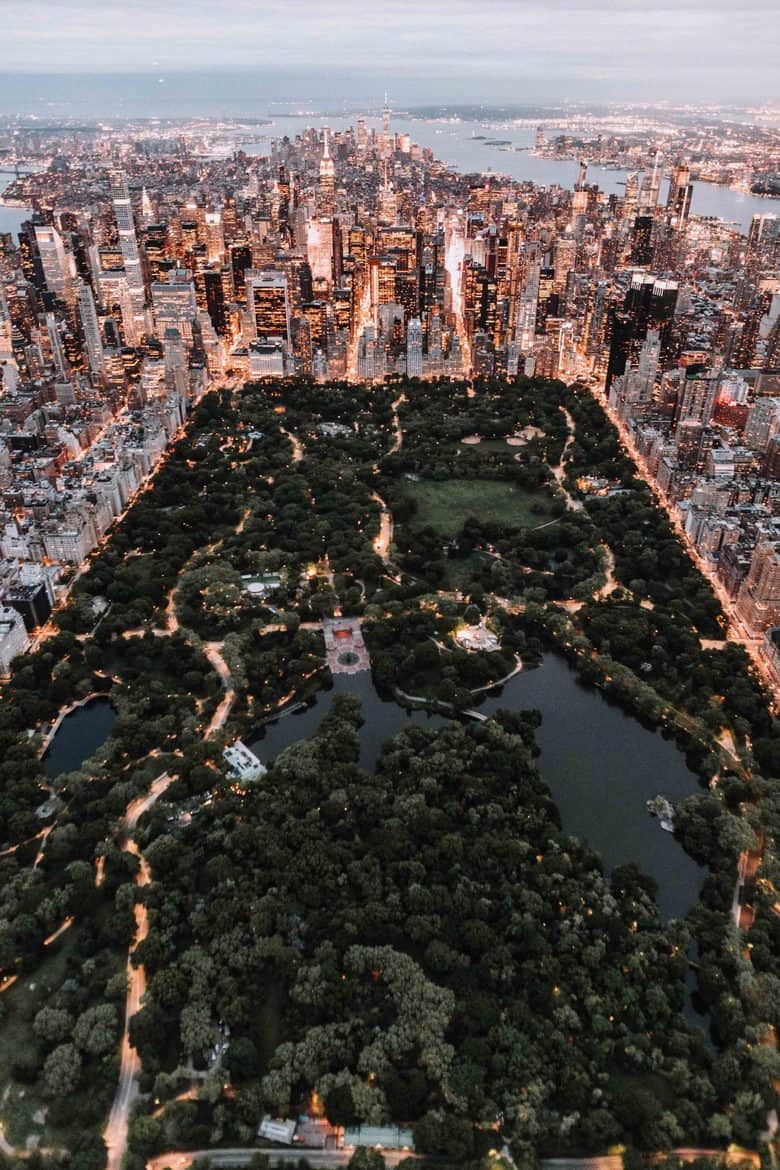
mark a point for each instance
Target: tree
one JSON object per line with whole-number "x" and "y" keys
{"x": 365, "y": 1159}
{"x": 340, "y": 1106}
{"x": 198, "y": 1031}
{"x": 444, "y": 1136}
{"x": 97, "y": 1029}
{"x": 62, "y": 1071}
{"x": 52, "y": 1024}
{"x": 89, "y": 1152}
{"x": 147, "y": 1135}
{"x": 241, "y": 1059}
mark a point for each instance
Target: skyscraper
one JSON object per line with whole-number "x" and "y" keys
{"x": 697, "y": 397}
{"x": 772, "y": 352}
{"x": 680, "y": 193}
{"x": 525, "y": 329}
{"x": 651, "y": 184}
{"x": 642, "y": 240}
{"x": 414, "y": 349}
{"x": 327, "y": 178}
{"x": 56, "y": 264}
{"x": 269, "y": 304}
{"x": 758, "y": 602}
{"x": 175, "y": 306}
{"x": 763, "y": 244}
{"x": 649, "y": 304}
{"x": 91, "y": 327}
{"x": 123, "y": 210}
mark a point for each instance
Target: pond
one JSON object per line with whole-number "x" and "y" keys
{"x": 79, "y": 736}
{"x": 600, "y": 764}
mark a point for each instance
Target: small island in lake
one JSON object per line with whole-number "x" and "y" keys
{"x": 662, "y": 808}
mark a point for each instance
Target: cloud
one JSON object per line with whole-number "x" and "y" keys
{"x": 565, "y": 39}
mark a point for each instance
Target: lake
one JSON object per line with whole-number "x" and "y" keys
{"x": 79, "y": 736}
{"x": 600, "y": 764}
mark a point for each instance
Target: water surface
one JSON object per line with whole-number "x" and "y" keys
{"x": 79, "y": 736}
{"x": 601, "y": 765}
{"x": 11, "y": 218}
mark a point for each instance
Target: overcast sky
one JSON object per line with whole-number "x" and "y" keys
{"x": 707, "y": 49}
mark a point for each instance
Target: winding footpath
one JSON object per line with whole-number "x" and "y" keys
{"x": 213, "y": 651}
{"x": 115, "y": 1133}
{"x": 398, "y": 431}
{"x": 611, "y": 582}
{"x": 559, "y": 471}
{"x": 384, "y": 537}
{"x": 296, "y": 444}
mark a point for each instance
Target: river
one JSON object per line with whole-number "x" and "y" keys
{"x": 456, "y": 144}
{"x": 79, "y": 736}
{"x": 601, "y": 766}
{"x": 11, "y": 218}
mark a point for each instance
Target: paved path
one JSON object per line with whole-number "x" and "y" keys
{"x": 213, "y": 651}
{"x": 384, "y": 537}
{"x": 115, "y": 1133}
{"x": 560, "y": 470}
{"x": 398, "y": 433}
{"x": 180, "y": 1159}
{"x": 611, "y": 583}
{"x": 296, "y": 444}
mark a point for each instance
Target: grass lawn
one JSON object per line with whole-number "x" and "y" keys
{"x": 461, "y": 570}
{"x": 267, "y": 1031}
{"x": 445, "y": 505}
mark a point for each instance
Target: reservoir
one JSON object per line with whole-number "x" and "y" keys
{"x": 600, "y": 764}
{"x": 79, "y": 736}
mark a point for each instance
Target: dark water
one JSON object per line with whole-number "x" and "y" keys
{"x": 79, "y": 736}
{"x": 11, "y": 218}
{"x": 383, "y": 719}
{"x": 601, "y": 766}
{"x": 238, "y": 94}
{"x": 454, "y": 142}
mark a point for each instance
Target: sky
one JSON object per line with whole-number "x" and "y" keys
{"x": 524, "y": 50}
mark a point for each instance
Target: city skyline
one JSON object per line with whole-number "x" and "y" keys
{"x": 501, "y": 50}
{"x": 303, "y": 418}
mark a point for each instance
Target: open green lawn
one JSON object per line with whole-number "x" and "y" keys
{"x": 461, "y": 570}
{"x": 446, "y": 504}
{"x": 267, "y": 1032}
